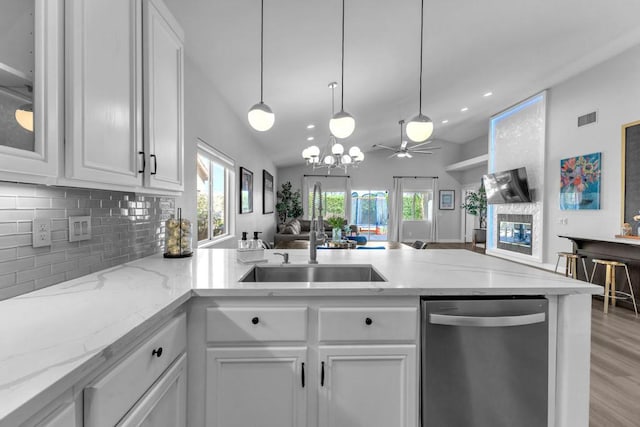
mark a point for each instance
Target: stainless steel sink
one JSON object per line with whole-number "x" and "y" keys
{"x": 313, "y": 273}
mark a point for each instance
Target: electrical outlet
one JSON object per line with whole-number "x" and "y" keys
{"x": 41, "y": 233}
{"x": 79, "y": 228}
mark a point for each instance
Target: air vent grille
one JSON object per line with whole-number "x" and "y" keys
{"x": 587, "y": 119}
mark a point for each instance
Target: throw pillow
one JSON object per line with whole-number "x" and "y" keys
{"x": 292, "y": 227}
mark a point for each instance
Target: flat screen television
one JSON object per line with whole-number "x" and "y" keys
{"x": 507, "y": 187}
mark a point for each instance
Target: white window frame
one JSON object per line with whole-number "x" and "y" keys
{"x": 229, "y": 164}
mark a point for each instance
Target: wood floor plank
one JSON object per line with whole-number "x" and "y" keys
{"x": 615, "y": 368}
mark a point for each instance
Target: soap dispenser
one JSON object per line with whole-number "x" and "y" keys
{"x": 256, "y": 243}
{"x": 243, "y": 243}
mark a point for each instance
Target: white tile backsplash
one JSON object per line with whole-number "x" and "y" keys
{"x": 125, "y": 226}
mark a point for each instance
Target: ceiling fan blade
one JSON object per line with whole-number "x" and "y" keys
{"x": 383, "y": 146}
{"x": 393, "y": 155}
{"x": 421, "y": 144}
{"x": 421, "y": 152}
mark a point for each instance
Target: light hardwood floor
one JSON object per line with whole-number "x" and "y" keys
{"x": 615, "y": 368}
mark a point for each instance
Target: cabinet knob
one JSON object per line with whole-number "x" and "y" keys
{"x": 157, "y": 352}
{"x": 255, "y": 320}
{"x": 368, "y": 321}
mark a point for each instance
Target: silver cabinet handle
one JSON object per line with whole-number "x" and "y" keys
{"x": 486, "y": 322}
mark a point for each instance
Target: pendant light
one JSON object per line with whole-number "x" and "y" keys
{"x": 24, "y": 116}
{"x": 342, "y": 124}
{"x": 260, "y": 116}
{"x": 420, "y": 127}
{"x": 333, "y": 156}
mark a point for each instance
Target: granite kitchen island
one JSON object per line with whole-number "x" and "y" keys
{"x": 57, "y": 340}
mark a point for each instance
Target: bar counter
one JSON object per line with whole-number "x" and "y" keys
{"x": 618, "y": 248}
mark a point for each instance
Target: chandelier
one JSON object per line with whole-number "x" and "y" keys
{"x": 333, "y": 155}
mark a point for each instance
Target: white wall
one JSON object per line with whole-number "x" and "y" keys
{"x": 377, "y": 171}
{"x": 207, "y": 116}
{"x": 613, "y": 89}
{"x": 475, "y": 147}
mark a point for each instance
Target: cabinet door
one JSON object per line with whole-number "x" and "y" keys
{"x": 256, "y": 387}
{"x": 31, "y": 79}
{"x": 164, "y": 405}
{"x": 103, "y": 83}
{"x": 163, "y": 98}
{"x": 368, "y": 386}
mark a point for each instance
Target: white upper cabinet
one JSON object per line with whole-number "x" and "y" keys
{"x": 109, "y": 101}
{"x": 163, "y": 97}
{"x": 30, "y": 89}
{"x": 103, "y": 82}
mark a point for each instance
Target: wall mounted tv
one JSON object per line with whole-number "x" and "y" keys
{"x": 507, "y": 187}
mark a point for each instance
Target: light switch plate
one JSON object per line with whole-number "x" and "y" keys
{"x": 79, "y": 228}
{"x": 41, "y": 233}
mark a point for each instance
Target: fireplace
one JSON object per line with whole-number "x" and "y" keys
{"x": 514, "y": 233}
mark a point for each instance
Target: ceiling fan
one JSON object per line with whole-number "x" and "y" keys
{"x": 406, "y": 151}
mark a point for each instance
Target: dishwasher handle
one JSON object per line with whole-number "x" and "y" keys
{"x": 486, "y": 321}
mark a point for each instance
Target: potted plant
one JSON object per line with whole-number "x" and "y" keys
{"x": 289, "y": 204}
{"x": 336, "y": 223}
{"x": 475, "y": 203}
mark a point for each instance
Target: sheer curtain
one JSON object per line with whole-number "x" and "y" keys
{"x": 394, "y": 229}
{"x": 413, "y": 184}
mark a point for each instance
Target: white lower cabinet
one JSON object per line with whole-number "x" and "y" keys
{"x": 368, "y": 386}
{"x": 256, "y": 387}
{"x": 146, "y": 388}
{"x": 164, "y": 404}
{"x": 362, "y": 369}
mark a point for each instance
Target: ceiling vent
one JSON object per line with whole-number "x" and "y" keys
{"x": 587, "y": 119}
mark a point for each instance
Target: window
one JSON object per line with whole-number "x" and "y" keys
{"x": 215, "y": 176}
{"x": 369, "y": 213}
{"x": 417, "y": 206}
{"x": 333, "y": 203}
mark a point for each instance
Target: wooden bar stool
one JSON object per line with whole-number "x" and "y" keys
{"x": 571, "y": 264}
{"x": 610, "y": 282}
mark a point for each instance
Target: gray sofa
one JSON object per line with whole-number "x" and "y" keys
{"x": 297, "y": 229}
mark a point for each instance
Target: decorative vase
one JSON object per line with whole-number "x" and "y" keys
{"x": 337, "y": 234}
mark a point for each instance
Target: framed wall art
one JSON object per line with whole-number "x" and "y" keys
{"x": 580, "y": 182}
{"x": 268, "y": 199}
{"x": 447, "y": 200}
{"x": 246, "y": 191}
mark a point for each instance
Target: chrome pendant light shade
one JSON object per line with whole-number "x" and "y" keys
{"x": 420, "y": 128}
{"x": 260, "y": 116}
{"x": 342, "y": 124}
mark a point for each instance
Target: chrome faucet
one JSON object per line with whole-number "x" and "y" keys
{"x": 285, "y": 257}
{"x": 316, "y": 232}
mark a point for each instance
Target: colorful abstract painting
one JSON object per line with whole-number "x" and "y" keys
{"x": 580, "y": 182}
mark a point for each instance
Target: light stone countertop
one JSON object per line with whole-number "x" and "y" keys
{"x": 51, "y": 338}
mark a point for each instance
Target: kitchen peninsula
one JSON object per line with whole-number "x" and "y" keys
{"x": 62, "y": 339}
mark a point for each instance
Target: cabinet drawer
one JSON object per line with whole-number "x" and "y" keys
{"x": 110, "y": 398}
{"x": 247, "y": 324}
{"x": 367, "y": 324}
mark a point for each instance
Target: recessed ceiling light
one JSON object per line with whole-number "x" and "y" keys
{"x": 310, "y": 138}
{"x": 463, "y": 109}
{"x": 445, "y": 121}
{"x": 311, "y": 126}
{"x": 488, "y": 94}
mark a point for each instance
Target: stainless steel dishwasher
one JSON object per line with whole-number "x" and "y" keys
{"x": 484, "y": 362}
